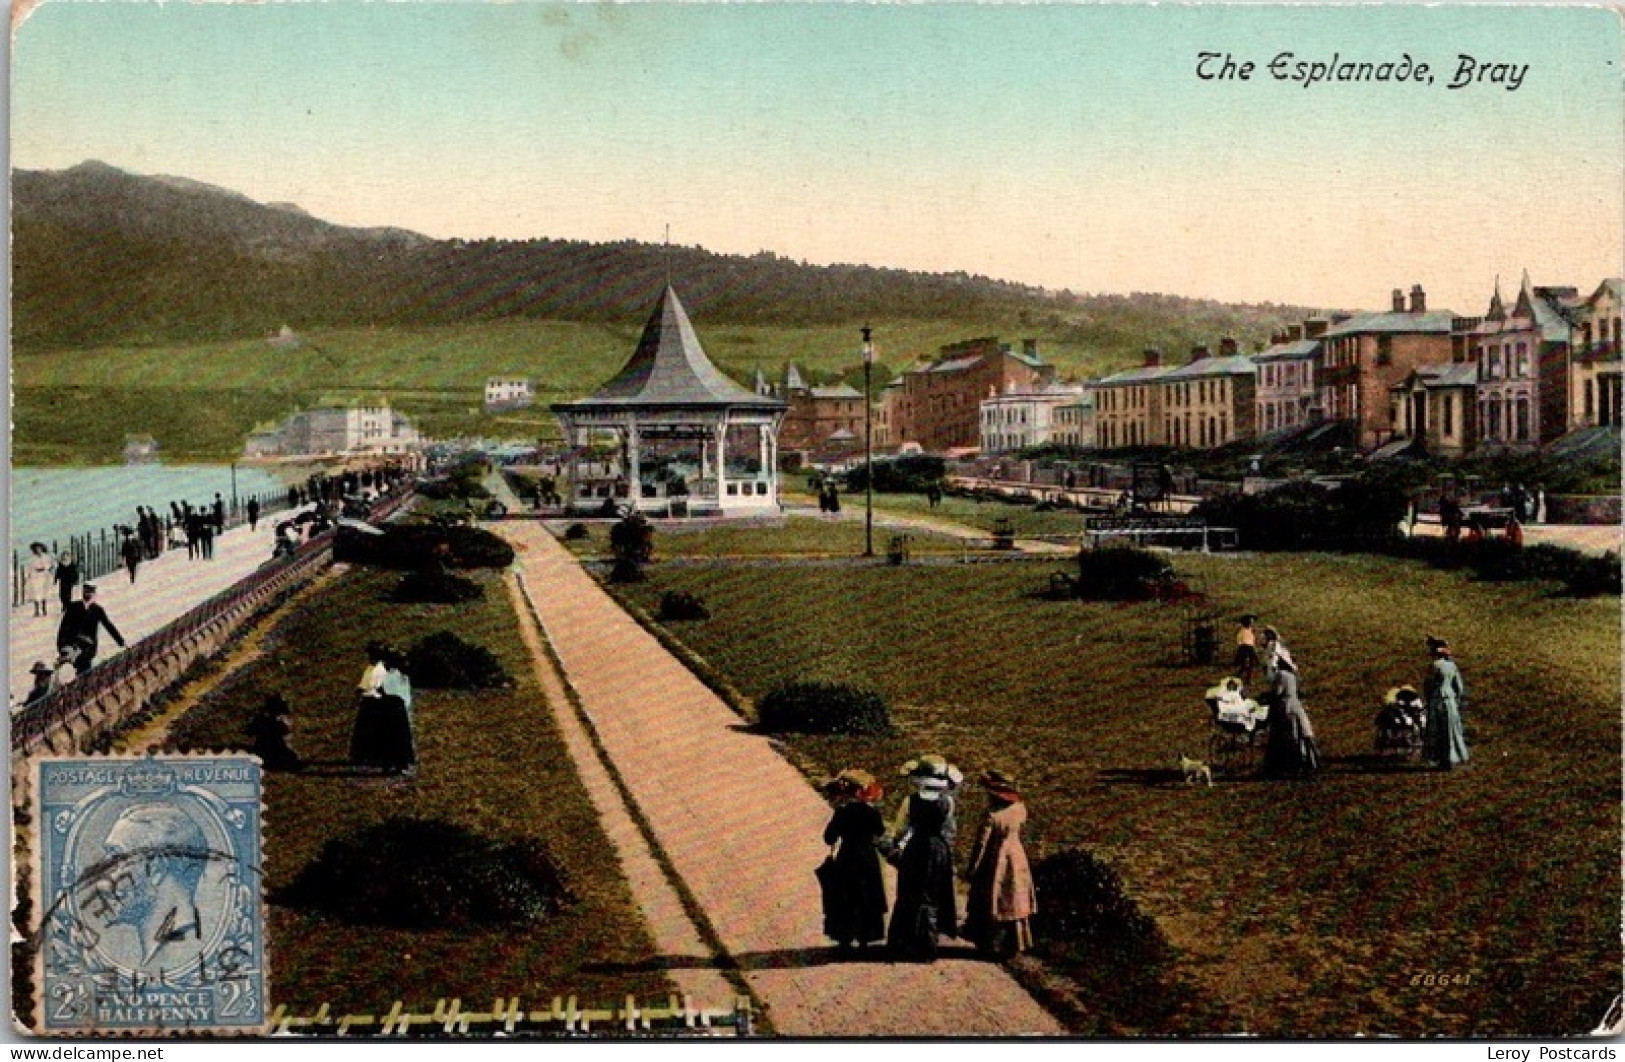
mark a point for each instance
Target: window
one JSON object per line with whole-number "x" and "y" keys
{"x": 1385, "y": 350}
{"x": 1522, "y": 421}
{"x": 1590, "y": 401}
{"x": 1449, "y": 414}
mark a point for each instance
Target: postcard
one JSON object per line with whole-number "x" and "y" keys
{"x": 815, "y": 521}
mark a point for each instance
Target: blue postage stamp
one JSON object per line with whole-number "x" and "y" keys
{"x": 150, "y": 886}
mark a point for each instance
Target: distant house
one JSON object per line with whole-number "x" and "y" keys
{"x": 1523, "y": 355}
{"x": 1594, "y": 397}
{"x": 1286, "y": 377}
{"x": 1362, "y": 357}
{"x": 140, "y": 450}
{"x": 820, "y": 419}
{"x": 1210, "y": 401}
{"x": 1075, "y": 420}
{"x": 338, "y": 430}
{"x": 1020, "y": 419}
{"x": 508, "y": 392}
{"x": 939, "y": 406}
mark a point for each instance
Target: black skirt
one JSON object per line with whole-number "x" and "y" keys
{"x": 383, "y": 734}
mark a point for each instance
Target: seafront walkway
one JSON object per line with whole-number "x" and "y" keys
{"x": 739, "y": 828}
{"x": 164, "y": 589}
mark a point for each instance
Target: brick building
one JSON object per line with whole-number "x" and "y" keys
{"x": 1363, "y": 357}
{"x": 938, "y": 405}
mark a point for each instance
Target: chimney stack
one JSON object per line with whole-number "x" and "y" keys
{"x": 1294, "y": 333}
{"x": 1419, "y": 299}
{"x": 1029, "y": 347}
{"x": 1315, "y": 327}
{"x": 1399, "y": 301}
{"x": 1153, "y": 358}
{"x": 1227, "y": 347}
{"x": 1198, "y": 353}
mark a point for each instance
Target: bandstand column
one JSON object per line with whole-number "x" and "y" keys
{"x": 722, "y": 460}
{"x": 634, "y": 477}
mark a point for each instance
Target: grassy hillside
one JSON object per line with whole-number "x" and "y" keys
{"x": 200, "y": 400}
{"x": 141, "y": 304}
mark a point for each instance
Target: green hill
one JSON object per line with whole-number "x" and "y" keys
{"x": 137, "y": 298}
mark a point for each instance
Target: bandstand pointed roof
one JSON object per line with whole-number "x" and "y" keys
{"x": 669, "y": 370}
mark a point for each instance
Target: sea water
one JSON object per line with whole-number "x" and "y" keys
{"x": 57, "y": 503}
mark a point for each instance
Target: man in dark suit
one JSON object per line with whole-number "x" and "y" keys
{"x": 81, "y": 623}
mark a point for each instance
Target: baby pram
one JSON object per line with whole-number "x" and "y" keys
{"x": 1240, "y": 725}
{"x": 1399, "y": 723}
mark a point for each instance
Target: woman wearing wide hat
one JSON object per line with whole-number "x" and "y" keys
{"x": 923, "y": 851}
{"x": 1002, "y": 896}
{"x": 854, "y": 895}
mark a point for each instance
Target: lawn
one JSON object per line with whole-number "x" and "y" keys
{"x": 1027, "y": 520}
{"x": 1332, "y": 907}
{"x": 492, "y": 762}
{"x": 795, "y": 537}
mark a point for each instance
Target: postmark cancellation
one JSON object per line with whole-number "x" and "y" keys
{"x": 148, "y": 876}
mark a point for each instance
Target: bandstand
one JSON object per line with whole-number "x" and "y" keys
{"x": 671, "y": 435}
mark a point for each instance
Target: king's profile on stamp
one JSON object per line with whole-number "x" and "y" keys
{"x": 149, "y": 872}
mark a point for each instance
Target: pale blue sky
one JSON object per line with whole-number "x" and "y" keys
{"x": 1062, "y": 145}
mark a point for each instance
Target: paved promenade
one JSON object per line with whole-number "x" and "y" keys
{"x": 164, "y": 589}
{"x": 742, "y": 829}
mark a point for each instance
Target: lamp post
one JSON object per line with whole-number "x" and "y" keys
{"x": 868, "y": 445}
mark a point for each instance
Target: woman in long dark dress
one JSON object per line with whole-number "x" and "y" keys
{"x": 1291, "y": 752}
{"x": 367, "y": 739}
{"x": 926, "y": 907}
{"x": 1444, "y": 741}
{"x": 854, "y": 895}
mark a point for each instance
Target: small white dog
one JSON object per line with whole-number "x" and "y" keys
{"x": 1195, "y": 771}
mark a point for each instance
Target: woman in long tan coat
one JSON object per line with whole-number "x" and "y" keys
{"x": 1002, "y": 897}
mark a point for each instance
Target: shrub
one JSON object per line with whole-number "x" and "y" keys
{"x": 1120, "y": 573}
{"x": 824, "y": 708}
{"x": 681, "y": 605}
{"x": 435, "y": 588}
{"x": 1595, "y": 575}
{"x": 1088, "y": 928}
{"x": 577, "y": 532}
{"x": 632, "y": 541}
{"x": 1086, "y": 911}
{"x": 428, "y": 874}
{"x": 1361, "y": 513}
{"x": 910, "y": 474}
{"x": 423, "y": 547}
{"x": 444, "y": 661}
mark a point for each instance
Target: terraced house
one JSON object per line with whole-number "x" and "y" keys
{"x": 1210, "y": 401}
{"x": 1017, "y": 420}
{"x": 939, "y": 405}
{"x": 1128, "y": 406}
{"x": 1287, "y": 395}
{"x": 1593, "y": 392}
{"x": 1364, "y": 356}
{"x": 1523, "y": 365}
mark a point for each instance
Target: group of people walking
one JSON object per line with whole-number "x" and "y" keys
{"x": 919, "y": 842}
